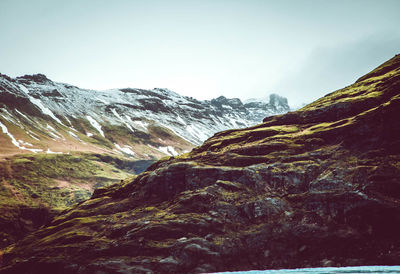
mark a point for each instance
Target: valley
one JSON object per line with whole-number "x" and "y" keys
{"x": 59, "y": 142}
{"x": 314, "y": 187}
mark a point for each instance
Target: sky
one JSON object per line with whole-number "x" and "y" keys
{"x": 300, "y": 49}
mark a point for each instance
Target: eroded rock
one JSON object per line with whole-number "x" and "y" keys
{"x": 316, "y": 187}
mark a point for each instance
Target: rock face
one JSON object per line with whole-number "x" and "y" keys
{"x": 162, "y": 120}
{"x": 59, "y": 142}
{"x": 275, "y": 104}
{"x": 315, "y": 187}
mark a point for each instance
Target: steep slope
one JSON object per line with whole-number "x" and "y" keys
{"x": 135, "y": 122}
{"x": 315, "y": 187}
{"x": 34, "y": 187}
{"x": 59, "y": 142}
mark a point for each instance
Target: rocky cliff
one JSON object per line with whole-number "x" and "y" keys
{"x": 315, "y": 187}
{"x": 162, "y": 121}
{"x": 60, "y": 142}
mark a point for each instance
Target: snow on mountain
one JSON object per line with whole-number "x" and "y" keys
{"x": 134, "y": 122}
{"x": 263, "y": 107}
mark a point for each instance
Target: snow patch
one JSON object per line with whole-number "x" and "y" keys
{"x": 198, "y": 134}
{"x": 9, "y": 117}
{"x": 142, "y": 125}
{"x": 172, "y": 151}
{"x": 169, "y": 150}
{"x": 180, "y": 120}
{"x": 23, "y": 115}
{"x": 122, "y": 120}
{"x": 126, "y": 149}
{"x": 6, "y": 111}
{"x": 89, "y": 134}
{"x": 25, "y": 143}
{"x": 75, "y": 136}
{"x": 38, "y": 103}
{"x": 102, "y": 100}
{"x": 71, "y": 126}
{"x": 30, "y": 133}
{"x": 52, "y": 152}
{"x": 53, "y": 132}
{"x": 15, "y": 142}
{"x": 188, "y": 118}
{"x": 95, "y": 124}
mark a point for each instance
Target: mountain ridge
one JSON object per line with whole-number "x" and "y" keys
{"x": 60, "y": 142}
{"x": 188, "y": 118}
{"x": 314, "y": 187}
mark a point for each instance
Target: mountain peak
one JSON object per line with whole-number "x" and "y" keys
{"x": 38, "y": 78}
{"x": 190, "y": 119}
{"x": 317, "y": 185}
{"x": 222, "y": 100}
{"x": 277, "y": 100}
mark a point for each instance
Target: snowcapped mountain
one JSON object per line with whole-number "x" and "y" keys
{"x": 59, "y": 142}
{"x": 274, "y": 104}
{"x": 37, "y": 114}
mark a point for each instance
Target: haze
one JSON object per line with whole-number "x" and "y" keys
{"x": 245, "y": 49}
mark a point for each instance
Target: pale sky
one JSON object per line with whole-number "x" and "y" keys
{"x": 301, "y": 49}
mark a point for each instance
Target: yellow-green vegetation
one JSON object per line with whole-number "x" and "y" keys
{"x": 52, "y": 182}
{"x": 368, "y": 88}
{"x": 58, "y": 180}
{"x": 316, "y": 185}
{"x": 111, "y": 131}
{"x": 390, "y": 66}
{"x": 228, "y": 141}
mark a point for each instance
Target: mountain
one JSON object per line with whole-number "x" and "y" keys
{"x": 59, "y": 142}
{"x": 315, "y": 187}
{"x": 275, "y": 104}
{"x": 138, "y": 113}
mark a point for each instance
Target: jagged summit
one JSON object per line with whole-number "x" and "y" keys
{"x": 274, "y": 102}
{"x": 60, "y": 142}
{"x": 278, "y": 101}
{"x": 222, "y": 100}
{"x": 188, "y": 118}
{"x": 38, "y": 78}
{"x": 314, "y": 187}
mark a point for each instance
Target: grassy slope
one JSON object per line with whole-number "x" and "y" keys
{"x": 51, "y": 183}
{"x": 348, "y": 139}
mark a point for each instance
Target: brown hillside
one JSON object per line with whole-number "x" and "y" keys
{"x": 315, "y": 187}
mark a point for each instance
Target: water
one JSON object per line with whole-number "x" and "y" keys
{"x": 326, "y": 270}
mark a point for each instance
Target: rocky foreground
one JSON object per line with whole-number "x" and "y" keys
{"x": 315, "y": 187}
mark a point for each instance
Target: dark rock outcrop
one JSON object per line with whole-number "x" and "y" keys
{"x": 125, "y": 129}
{"x": 38, "y": 78}
{"x": 315, "y": 187}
